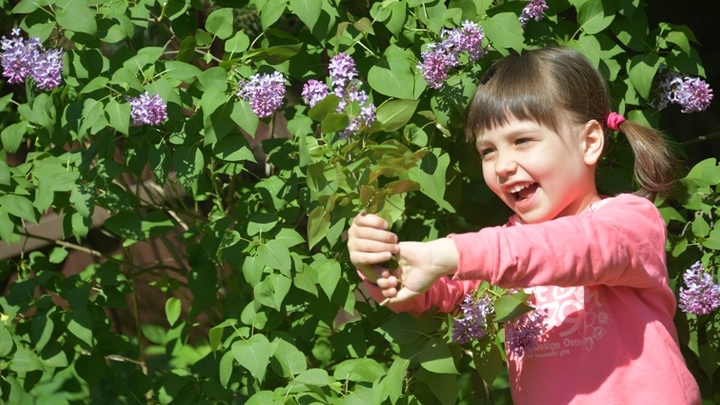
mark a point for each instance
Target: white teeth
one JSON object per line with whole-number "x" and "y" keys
{"x": 517, "y": 188}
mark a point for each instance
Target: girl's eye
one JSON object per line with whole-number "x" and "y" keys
{"x": 485, "y": 152}
{"x": 520, "y": 141}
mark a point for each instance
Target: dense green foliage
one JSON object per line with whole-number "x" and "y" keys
{"x": 262, "y": 304}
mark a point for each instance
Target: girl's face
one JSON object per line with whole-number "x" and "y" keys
{"x": 538, "y": 173}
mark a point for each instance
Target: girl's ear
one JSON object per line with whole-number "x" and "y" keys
{"x": 593, "y": 142}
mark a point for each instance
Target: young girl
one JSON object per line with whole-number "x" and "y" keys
{"x": 595, "y": 264}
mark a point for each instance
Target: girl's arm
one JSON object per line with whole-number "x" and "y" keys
{"x": 621, "y": 243}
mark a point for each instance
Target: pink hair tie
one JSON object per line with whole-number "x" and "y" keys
{"x": 614, "y": 120}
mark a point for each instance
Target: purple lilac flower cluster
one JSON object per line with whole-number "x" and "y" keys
{"x": 22, "y": 59}
{"x": 523, "y": 334}
{"x": 264, "y": 92}
{"x": 691, "y": 93}
{"x": 702, "y": 295}
{"x": 147, "y": 109}
{"x": 471, "y": 326}
{"x": 346, "y": 87}
{"x": 534, "y": 9}
{"x": 440, "y": 57}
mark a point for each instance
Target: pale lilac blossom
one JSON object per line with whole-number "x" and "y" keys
{"x": 439, "y": 57}
{"x": 701, "y": 295}
{"x": 523, "y": 333}
{"x": 342, "y": 70}
{"x": 147, "y": 109}
{"x": 22, "y": 59}
{"x": 534, "y": 9}
{"x": 264, "y": 92}
{"x": 314, "y": 91}
{"x": 47, "y": 70}
{"x": 691, "y": 93}
{"x": 471, "y": 326}
{"x": 347, "y": 88}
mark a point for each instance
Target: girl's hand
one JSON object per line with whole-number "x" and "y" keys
{"x": 369, "y": 244}
{"x": 420, "y": 265}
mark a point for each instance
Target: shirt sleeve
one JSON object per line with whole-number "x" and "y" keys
{"x": 621, "y": 243}
{"x": 445, "y": 295}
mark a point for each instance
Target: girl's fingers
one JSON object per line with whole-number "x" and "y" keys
{"x": 369, "y": 258}
{"x": 370, "y": 220}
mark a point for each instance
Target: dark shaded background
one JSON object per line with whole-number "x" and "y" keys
{"x": 699, "y": 133}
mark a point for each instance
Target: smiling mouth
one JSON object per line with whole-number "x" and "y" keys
{"x": 523, "y": 192}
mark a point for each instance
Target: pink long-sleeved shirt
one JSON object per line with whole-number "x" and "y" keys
{"x": 602, "y": 278}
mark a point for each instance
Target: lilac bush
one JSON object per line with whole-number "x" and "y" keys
{"x": 533, "y": 10}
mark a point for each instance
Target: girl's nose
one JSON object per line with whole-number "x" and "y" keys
{"x": 505, "y": 165}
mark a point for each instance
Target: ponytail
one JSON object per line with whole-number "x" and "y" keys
{"x": 655, "y": 167}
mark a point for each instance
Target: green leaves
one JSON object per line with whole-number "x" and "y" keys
{"x": 503, "y": 31}
{"x": 396, "y": 76}
{"x": 253, "y": 354}
{"x": 76, "y": 16}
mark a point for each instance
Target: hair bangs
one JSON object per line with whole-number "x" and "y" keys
{"x": 515, "y": 89}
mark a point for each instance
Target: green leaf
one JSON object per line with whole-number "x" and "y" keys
{"x": 188, "y": 163}
{"x": 292, "y": 361}
{"x": 713, "y": 239}
{"x": 12, "y": 136}
{"x": 307, "y": 10}
{"x": 118, "y": 116}
{"x": 329, "y": 274}
{"x": 233, "y": 148}
{"x": 275, "y": 255}
{"x": 395, "y": 76}
{"x": 272, "y": 290}
{"x": 226, "y": 368}
{"x": 395, "y": 377}
{"x": 271, "y": 12}
{"x": 592, "y": 19}
{"x": 237, "y": 44}
{"x": 289, "y": 237}
{"x": 318, "y": 225}
{"x": 220, "y": 22}
{"x": 4, "y": 174}
{"x": 173, "y": 307}
{"x": 366, "y": 369}
{"x": 127, "y": 225}
{"x": 159, "y": 157}
{"x": 395, "y": 114}
{"x": 6, "y": 341}
{"x": 253, "y": 354}
{"x": 18, "y": 206}
{"x": 488, "y": 359}
{"x": 28, "y": 6}
{"x": 315, "y": 376}
{"x": 76, "y": 16}
{"x": 436, "y": 357}
{"x": 182, "y": 71}
{"x": 642, "y": 70}
{"x": 509, "y": 307}
{"x": 243, "y": 115}
{"x": 79, "y": 323}
{"x": 503, "y": 30}
{"x": 401, "y": 329}
{"x": 334, "y": 123}
{"x": 24, "y": 361}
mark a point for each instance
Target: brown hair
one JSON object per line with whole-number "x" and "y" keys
{"x": 546, "y": 84}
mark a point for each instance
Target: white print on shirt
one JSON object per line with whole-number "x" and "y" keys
{"x": 576, "y": 316}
